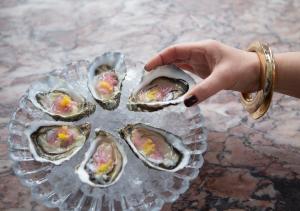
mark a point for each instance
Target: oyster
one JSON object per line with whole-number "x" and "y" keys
{"x": 56, "y": 98}
{"x": 105, "y": 77}
{"x": 56, "y": 142}
{"x": 104, "y": 162}
{"x": 160, "y": 88}
{"x": 159, "y": 149}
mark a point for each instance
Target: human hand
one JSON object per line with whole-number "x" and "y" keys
{"x": 222, "y": 67}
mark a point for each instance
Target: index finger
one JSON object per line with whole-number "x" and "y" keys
{"x": 178, "y": 52}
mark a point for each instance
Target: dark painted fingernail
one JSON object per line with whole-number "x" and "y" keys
{"x": 190, "y": 101}
{"x": 146, "y": 68}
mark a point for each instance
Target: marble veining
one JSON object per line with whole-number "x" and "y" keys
{"x": 249, "y": 165}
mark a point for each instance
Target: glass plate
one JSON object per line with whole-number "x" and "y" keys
{"x": 139, "y": 188}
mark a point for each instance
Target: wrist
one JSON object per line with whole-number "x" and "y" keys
{"x": 254, "y": 72}
{"x": 278, "y": 63}
{"x": 287, "y": 73}
{"x": 258, "y": 105}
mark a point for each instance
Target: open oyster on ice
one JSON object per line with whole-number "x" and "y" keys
{"x": 59, "y": 100}
{"x": 159, "y": 149}
{"x": 160, "y": 88}
{"x": 104, "y": 162}
{"x": 56, "y": 142}
{"x": 105, "y": 77}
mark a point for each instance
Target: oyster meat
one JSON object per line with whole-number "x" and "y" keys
{"x": 56, "y": 142}
{"x": 160, "y": 88}
{"x": 60, "y": 101}
{"x": 159, "y": 149}
{"x": 105, "y": 77}
{"x": 104, "y": 162}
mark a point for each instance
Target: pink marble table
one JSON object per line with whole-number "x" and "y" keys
{"x": 249, "y": 165}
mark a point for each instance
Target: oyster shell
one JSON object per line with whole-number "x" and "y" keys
{"x": 160, "y": 88}
{"x": 159, "y": 149}
{"x": 104, "y": 162}
{"x": 56, "y": 98}
{"x": 105, "y": 77}
{"x": 56, "y": 142}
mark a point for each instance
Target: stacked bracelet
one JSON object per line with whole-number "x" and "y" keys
{"x": 258, "y": 105}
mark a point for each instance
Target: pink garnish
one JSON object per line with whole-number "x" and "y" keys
{"x": 111, "y": 78}
{"x": 156, "y": 155}
{"x": 164, "y": 91}
{"x": 63, "y": 104}
{"x": 61, "y": 136}
{"x": 103, "y": 154}
{"x": 51, "y": 137}
{"x": 107, "y": 83}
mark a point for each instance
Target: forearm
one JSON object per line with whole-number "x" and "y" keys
{"x": 288, "y": 73}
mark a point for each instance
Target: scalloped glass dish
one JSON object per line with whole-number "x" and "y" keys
{"x": 139, "y": 188}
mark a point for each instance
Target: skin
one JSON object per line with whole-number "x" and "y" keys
{"x": 225, "y": 67}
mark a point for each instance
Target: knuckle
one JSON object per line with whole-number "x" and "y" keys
{"x": 168, "y": 50}
{"x": 161, "y": 57}
{"x": 213, "y": 43}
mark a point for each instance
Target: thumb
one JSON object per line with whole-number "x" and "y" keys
{"x": 210, "y": 86}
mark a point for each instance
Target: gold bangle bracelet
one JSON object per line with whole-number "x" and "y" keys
{"x": 257, "y": 106}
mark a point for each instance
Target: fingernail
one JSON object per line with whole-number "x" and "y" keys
{"x": 188, "y": 102}
{"x": 146, "y": 68}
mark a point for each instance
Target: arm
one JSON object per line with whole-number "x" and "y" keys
{"x": 288, "y": 73}
{"x": 221, "y": 67}
{"x": 225, "y": 67}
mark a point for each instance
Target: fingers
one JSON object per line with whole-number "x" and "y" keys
{"x": 175, "y": 53}
{"x": 184, "y": 66}
{"x": 166, "y": 56}
{"x": 194, "y": 57}
{"x": 203, "y": 90}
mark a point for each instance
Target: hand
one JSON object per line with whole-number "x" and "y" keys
{"x": 222, "y": 67}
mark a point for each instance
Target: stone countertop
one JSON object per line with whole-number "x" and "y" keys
{"x": 249, "y": 165}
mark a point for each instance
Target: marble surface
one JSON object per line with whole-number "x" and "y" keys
{"x": 249, "y": 165}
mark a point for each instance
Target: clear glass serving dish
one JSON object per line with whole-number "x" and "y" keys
{"x": 139, "y": 188}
